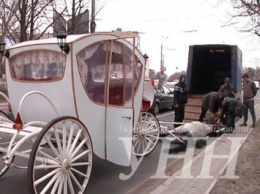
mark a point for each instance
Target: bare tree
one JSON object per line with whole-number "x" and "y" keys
{"x": 25, "y": 19}
{"x": 246, "y": 15}
{"x": 6, "y": 16}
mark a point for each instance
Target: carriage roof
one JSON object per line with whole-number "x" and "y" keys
{"x": 75, "y": 37}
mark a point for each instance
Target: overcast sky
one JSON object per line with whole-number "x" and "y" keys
{"x": 175, "y": 25}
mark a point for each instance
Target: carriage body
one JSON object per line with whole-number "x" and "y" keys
{"x": 100, "y": 82}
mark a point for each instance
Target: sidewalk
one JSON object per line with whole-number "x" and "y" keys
{"x": 198, "y": 180}
{"x": 247, "y": 168}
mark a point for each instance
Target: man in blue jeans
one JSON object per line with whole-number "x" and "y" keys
{"x": 249, "y": 93}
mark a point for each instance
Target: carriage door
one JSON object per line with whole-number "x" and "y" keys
{"x": 119, "y": 109}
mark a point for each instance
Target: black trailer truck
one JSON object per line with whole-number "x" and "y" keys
{"x": 208, "y": 66}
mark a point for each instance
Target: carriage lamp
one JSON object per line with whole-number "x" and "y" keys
{"x": 2, "y": 48}
{"x": 61, "y": 37}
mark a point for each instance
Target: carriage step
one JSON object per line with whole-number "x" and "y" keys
{"x": 31, "y": 129}
{"x": 8, "y": 128}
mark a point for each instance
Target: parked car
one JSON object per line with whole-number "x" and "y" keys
{"x": 163, "y": 99}
{"x": 171, "y": 84}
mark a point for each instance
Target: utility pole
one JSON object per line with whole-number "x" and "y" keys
{"x": 93, "y": 13}
{"x": 162, "y": 68}
{"x": 161, "y": 78}
{"x": 161, "y": 57}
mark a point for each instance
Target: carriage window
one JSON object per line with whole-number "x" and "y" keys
{"x": 121, "y": 75}
{"x": 94, "y": 68}
{"x": 37, "y": 65}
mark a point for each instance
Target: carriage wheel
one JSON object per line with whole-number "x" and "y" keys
{"x": 3, "y": 167}
{"x": 61, "y": 158}
{"x": 146, "y": 134}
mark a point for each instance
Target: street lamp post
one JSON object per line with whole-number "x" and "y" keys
{"x": 161, "y": 66}
{"x": 161, "y": 79}
{"x": 93, "y": 13}
{"x": 3, "y": 52}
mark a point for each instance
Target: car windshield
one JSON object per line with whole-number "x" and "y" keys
{"x": 170, "y": 85}
{"x": 166, "y": 90}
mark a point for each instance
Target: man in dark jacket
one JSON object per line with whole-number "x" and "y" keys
{"x": 249, "y": 93}
{"x": 227, "y": 88}
{"x": 180, "y": 99}
{"x": 210, "y": 102}
{"x": 231, "y": 108}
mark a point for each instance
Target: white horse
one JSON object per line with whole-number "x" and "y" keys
{"x": 200, "y": 131}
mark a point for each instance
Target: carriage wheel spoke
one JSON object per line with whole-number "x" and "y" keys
{"x": 56, "y": 184}
{"x": 74, "y": 179}
{"x": 70, "y": 185}
{"x": 49, "y": 157}
{"x": 78, "y": 148}
{"x": 75, "y": 141}
{"x": 78, "y": 172}
{"x": 70, "y": 137}
{"x": 80, "y": 155}
{"x": 57, "y": 138}
{"x": 53, "y": 148}
{"x": 40, "y": 180}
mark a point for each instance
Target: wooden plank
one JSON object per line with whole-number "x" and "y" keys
{"x": 190, "y": 108}
{"x": 193, "y": 108}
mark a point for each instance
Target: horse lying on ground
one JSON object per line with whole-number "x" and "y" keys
{"x": 200, "y": 131}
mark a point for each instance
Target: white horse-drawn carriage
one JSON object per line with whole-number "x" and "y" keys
{"x": 71, "y": 101}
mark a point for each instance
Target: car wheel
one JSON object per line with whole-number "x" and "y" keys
{"x": 156, "y": 108}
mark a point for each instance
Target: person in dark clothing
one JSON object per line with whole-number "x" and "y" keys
{"x": 249, "y": 93}
{"x": 227, "y": 88}
{"x": 211, "y": 103}
{"x": 231, "y": 108}
{"x": 180, "y": 99}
